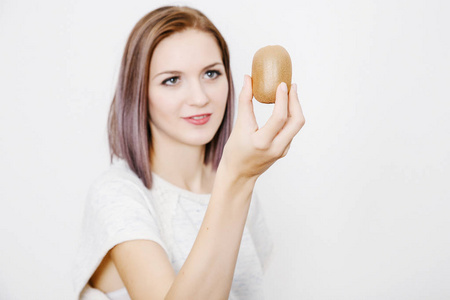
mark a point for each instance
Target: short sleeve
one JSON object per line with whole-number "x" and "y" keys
{"x": 116, "y": 211}
{"x": 259, "y": 232}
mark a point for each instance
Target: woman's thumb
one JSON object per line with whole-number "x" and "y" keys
{"x": 245, "y": 97}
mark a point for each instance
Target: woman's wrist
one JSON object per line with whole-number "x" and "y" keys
{"x": 233, "y": 184}
{"x": 233, "y": 174}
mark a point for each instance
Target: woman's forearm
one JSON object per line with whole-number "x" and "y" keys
{"x": 208, "y": 271}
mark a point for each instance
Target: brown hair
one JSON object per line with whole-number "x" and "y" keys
{"x": 128, "y": 123}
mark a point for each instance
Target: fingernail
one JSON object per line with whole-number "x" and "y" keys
{"x": 244, "y": 81}
{"x": 294, "y": 87}
{"x": 284, "y": 87}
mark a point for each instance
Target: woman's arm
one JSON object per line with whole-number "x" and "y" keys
{"x": 208, "y": 270}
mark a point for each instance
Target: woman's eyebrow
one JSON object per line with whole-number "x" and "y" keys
{"x": 212, "y": 65}
{"x": 167, "y": 72}
{"x": 173, "y": 72}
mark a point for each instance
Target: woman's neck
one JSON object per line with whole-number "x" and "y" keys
{"x": 183, "y": 166}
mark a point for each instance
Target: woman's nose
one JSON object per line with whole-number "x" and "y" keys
{"x": 197, "y": 94}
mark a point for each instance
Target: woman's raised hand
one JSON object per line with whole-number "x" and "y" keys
{"x": 251, "y": 150}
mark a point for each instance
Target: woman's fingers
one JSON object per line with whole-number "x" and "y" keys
{"x": 295, "y": 104}
{"x": 245, "y": 105}
{"x": 295, "y": 121}
{"x": 284, "y": 123}
{"x": 286, "y": 150}
{"x": 278, "y": 118}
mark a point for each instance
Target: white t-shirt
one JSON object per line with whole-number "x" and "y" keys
{"x": 120, "y": 208}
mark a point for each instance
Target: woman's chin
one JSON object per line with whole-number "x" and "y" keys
{"x": 200, "y": 141}
{"x": 201, "y": 138}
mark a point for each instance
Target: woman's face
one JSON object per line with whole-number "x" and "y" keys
{"x": 188, "y": 88}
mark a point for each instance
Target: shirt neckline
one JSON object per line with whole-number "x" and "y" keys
{"x": 201, "y": 198}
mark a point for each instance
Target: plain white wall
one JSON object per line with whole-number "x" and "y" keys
{"x": 359, "y": 209}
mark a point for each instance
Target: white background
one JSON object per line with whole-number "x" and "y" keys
{"x": 359, "y": 209}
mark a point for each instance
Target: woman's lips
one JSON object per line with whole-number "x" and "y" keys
{"x": 198, "y": 119}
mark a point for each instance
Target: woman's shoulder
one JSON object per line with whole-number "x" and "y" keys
{"x": 118, "y": 170}
{"x": 118, "y": 173}
{"x": 118, "y": 181}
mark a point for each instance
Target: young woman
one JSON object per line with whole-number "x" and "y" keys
{"x": 175, "y": 216}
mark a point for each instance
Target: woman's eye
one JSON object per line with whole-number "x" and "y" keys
{"x": 171, "y": 81}
{"x": 212, "y": 74}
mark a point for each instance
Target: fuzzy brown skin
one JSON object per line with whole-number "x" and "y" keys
{"x": 271, "y": 66}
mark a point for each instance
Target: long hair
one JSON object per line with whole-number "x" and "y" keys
{"x": 129, "y": 132}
